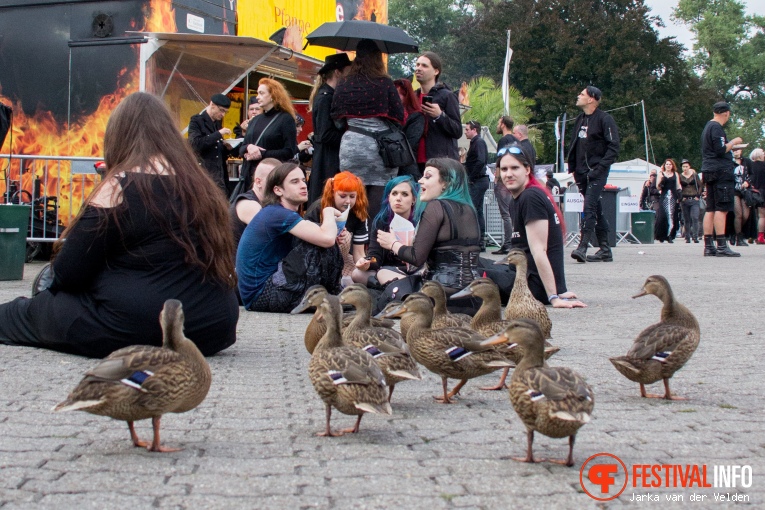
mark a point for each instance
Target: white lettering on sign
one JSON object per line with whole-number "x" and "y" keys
{"x": 195, "y": 23}
{"x": 574, "y": 202}
{"x": 629, "y": 204}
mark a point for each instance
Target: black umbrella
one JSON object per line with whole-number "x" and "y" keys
{"x": 345, "y": 35}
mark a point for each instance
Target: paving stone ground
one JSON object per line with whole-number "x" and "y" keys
{"x": 251, "y": 443}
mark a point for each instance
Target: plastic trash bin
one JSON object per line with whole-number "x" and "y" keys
{"x": 609, "y": 202}
{"x": 642, "y": 226}
{"x": 14, "y": 223}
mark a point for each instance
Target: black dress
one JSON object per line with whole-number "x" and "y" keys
{"x": 111, "y": 283}
{"x": 667, "y": 217}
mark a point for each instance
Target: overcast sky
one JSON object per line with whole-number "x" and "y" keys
{"x": 663, "y": 9}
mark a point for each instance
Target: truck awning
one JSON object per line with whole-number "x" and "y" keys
{"x": 184, "y": 68}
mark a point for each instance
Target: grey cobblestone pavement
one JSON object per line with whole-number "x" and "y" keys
{"x": 251, "y": 443}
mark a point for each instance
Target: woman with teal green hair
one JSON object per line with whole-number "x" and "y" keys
{"x": 447, "y": 235}
{"x": 400, "y": 198}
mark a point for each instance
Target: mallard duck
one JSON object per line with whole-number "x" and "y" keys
{"x": 488, "y": 320}
{"x": 403, "y": 324}
{"x": 384, "y": 344}
{"x": 523, "y": 305}
{"x": 142, "y": 381}
{"x": 346, "y": 378}
{"x": 316, "y": 327}
{"x": 449, "y": 352}
{"x": 662, "y": 349}
{"x": 442, "y": 318}
{"x": 554, "y": 401}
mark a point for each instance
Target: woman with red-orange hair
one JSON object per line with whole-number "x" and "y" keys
{"x": 346, "y": 191}
{"x": 272, "y": 134}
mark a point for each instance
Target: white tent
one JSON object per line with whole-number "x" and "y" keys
{"x": 631, "y": 174}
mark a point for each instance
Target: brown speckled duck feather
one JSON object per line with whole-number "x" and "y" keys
{"x": 554, "y": 401}
{"x": 346, "y": 378}
{"x": 141, "y": 381}
{"x": 661, "y": 349}
{"x": 442, "y": 318}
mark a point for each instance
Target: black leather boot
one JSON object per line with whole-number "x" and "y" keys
{"x": 604, "y": 253}
{"x": 723, "y": 250}
{"x": 580, "y": 253}
{"x": 740, "y": 240}
{"x": 709, "y": 246}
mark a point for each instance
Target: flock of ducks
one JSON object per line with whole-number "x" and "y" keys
{"x": 357, "y": 360}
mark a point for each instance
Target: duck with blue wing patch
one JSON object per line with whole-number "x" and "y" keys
{"x": 316, "y": 327}
{"x": 556, "y": 402}
{"x": 384, "y": 344}
{"x": 346, "y": 378}
{"x": 142, "y": 382}
{"x": 663, "y": 348}
{"x": 452, "y": 353}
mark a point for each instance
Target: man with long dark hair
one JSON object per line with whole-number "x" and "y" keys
{"x": 441, "y": 107}
{"x": 273, "y": 275}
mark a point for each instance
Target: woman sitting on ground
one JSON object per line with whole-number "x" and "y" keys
{"x": 144, "y": 235}
{"x": 447, "y": 235}
{"x": 345, "y": 191}
{"x": 400, "y": 197}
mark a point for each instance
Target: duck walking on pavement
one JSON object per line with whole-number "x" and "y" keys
{"x": 142, "y": 381}
{"x": 663, "y": 348}
{"x": 554, "y": 401}
{"x": 346, "y": 378}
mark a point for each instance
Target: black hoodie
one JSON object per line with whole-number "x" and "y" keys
{"x": 443, "y": 132}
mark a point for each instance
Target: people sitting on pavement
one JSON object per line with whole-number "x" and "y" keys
{"x": 380, "y": 266}
{"x": 447, "y": 235}
{"x": 245, "y": 206}
{"x": 345, "y": 191}
{"x": 150, "y": 231}
{"x": 280, "y": 254}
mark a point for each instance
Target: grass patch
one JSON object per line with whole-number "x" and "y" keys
{"x": 687, "y": 411}
{"x": 727, "y": 406}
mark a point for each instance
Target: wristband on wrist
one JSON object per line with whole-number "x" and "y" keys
{"x": 554, "y": 296}
{"x": 394, "y": 244}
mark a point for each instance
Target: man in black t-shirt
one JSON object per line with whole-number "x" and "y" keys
{"x": 717, "y": 167}
{"x": 536, "y": 230}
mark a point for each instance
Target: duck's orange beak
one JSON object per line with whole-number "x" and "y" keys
{"x": 396, "y": 312}
{"x": 499, "y": 338}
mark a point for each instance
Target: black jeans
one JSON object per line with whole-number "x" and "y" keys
{"x": 690, "y": 209}
{"x": 592, "y": 189}
{"x": 477, "y": 193}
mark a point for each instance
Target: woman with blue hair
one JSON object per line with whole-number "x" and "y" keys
{"x": 399, "y": 198}
{"x": 447, "y": 235}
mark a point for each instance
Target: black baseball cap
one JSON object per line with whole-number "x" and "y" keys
{"x": 721, "y": 107}
{"x": 684, "y": 162}
{"x": 221, "y": 100}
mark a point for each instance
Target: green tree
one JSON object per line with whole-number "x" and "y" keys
{"x": 486, "y": 106}
{"x": 729, "y": 55}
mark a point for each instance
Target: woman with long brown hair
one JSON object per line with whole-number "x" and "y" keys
{"x": 272, "y": 134}
{"x": 150, "y": 231}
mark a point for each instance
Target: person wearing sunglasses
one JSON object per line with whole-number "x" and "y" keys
{"x": 537, "y": 229}
{"x": 594, "y": 148}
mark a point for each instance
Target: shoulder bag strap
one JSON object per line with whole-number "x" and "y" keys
{"x": 278, "y": 114}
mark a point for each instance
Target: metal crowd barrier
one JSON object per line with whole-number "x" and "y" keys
{"x": 55, "y": 187}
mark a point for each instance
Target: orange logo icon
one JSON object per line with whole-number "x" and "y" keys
{"x": 598, "y": 476}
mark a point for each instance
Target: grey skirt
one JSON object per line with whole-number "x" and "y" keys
{"x": 360, "y": 155}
